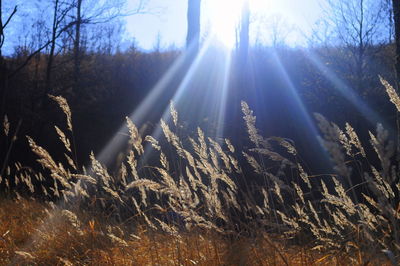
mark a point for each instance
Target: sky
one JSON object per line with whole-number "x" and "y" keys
{"x": 169, "y": 25}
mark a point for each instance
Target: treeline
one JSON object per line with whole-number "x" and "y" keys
{"x": 285, "y": 85}
{"x": 109, "y": 89}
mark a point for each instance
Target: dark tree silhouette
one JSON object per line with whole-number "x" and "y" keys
{"x": 193, "y": 19}
{"x": 77, "y": 41}
{"x": 98, "y": 12}
{"x": 3, "y": 67}
{"x": 4, "y": 25}
{"x": 60, "y": 12}
{"x": 396, "y": 17}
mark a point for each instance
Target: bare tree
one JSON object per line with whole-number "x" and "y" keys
{"x": 106, "y": 38}
{"x": 77, "y": 41}
{"x": 358, "y": 25}
{"x": 4, "y": 25}
{"x": 193, "y": 21}
{"x": 321, "y": 34}
{"x": 90, "y": 12}
{"x": 39, "y": 49}
{"x": 60, "y": 10}
{"x": 388, "y": 9}
{"x": 275, "y": 28}
{"x": 37, "y": 36}
{"x": 396, "y": 17}
{"x": 3, "y": 68}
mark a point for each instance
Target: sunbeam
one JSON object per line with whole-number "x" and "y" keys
{"x": 139, "y": 115}
{"x": 201, "y": 94}
{"x": 302, "y": 112}
{"x": 346, "y": 91}
{"x": 223, "y": 97}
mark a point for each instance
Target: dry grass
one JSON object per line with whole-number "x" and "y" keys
{"x": 29, "y": 237}
{"x": 188, "y": 208}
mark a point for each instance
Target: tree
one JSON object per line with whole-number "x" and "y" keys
{"x": 90, "y": 12}
{"x": 396, "y": 17}
{"x": 58, "y": 27}
{"x": 193, "y": 21}
{"x": 3, "y": 68}
{"x": 388, "y": 9}
{"x": 77, "y": 41}
{"x": 4, "y": 25}
{"x": 321, "y": 34}
{"x": 358, "y": 25}
{"x": 60, "y": 11}
{"x": 106, "y": 38}
{"x": 275, "y": 28}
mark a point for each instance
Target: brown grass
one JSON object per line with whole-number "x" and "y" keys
{"x": 29, "y": 237}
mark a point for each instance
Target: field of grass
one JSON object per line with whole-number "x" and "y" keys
{"x": 30, "y": 237}
{"x": 200, "y": 205}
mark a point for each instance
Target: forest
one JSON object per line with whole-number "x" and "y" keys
{"x": 258, "y": 138}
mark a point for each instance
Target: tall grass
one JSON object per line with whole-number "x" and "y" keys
{"x": 209, "y": 207}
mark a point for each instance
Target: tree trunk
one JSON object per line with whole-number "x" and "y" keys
{"x": 1, "y": 31}
{"x": 3, "y": 72}
{"x": 396, "y": 16}
{"x": 77, "y": 54}
{"x": 52, "y": 48}
{"x": 193, "y": 19}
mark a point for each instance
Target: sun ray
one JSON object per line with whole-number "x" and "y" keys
{"x": 224, "y": 96}
{"x": 299, "y": 108}
{"x": 179, "y": 93}
{"x": 347, "y": 92}
{"x": 140, "y": 114}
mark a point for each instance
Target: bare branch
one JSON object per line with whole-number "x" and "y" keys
{"x": 29, "y": 58}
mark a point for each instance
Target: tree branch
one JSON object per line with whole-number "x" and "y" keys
{"x": 40, "y": 49}
{"x": 10, "y": 17}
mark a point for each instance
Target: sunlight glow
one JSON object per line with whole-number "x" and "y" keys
{"x": 225, "y": 18}
{"x": 222, "y": 20}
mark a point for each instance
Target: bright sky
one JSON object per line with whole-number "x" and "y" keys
{"x": 171, "y": 25}
{"x": 290, "y": 17}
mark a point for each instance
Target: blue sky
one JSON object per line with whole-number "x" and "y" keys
{"x": 170, "y": 24}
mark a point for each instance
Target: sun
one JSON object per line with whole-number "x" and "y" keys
{"x": 225, "y": 18}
